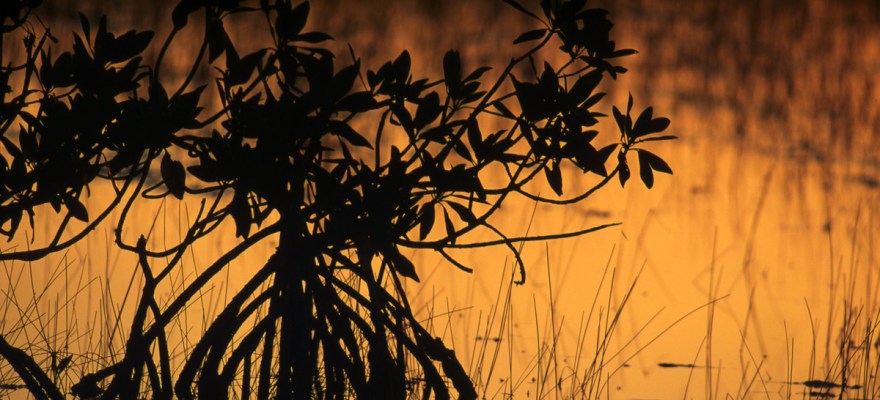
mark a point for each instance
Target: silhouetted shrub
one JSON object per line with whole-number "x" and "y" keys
{"x": 280, "y": 157}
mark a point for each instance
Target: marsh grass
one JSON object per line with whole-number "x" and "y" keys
{"x": 67, "y": 348}
{"x": 42, "y": 315}
{"x": 42, "y": 309}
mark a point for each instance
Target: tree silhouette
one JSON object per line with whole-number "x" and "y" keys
{"x": 280, "y": 158}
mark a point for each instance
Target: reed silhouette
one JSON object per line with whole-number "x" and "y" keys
{"x": 326, "y": 316}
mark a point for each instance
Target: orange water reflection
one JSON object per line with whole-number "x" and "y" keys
{"x": 772, "y": 212}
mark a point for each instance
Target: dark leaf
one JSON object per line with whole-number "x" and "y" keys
{"x": 217, "y": 39}
{"x": 174, "y": 176}
{"x": 182, "y": 10}
{"x": 400, "y": 68}
{"x": 415, "y": 89}
{"x": 439, "y": 134}
{"x": 554, "y": 177}
{"x": 30, "y": 213}
{"x": 401, "y": 264}
{"x": 313, "y": 37}
{"x": 185, "y": 108}
{"x": 572, "y": 7}
{"x": 463, "y": 212}
{"x": 76, "y": 209}
{"x": 605, "y": 152}
{"x": 14, "y": 222}
{"x": 642, "y": 122}
{"x": 84, "y": 22}
{"x": 125, "y": 77}
{"x": 623, "y": 53}
{"x": 522, "y": 9}
{"x": 478, "y": 189}
{"x": 589, "y": 159}
{"x": 11, "y": 147}
{"x": 549, "y": 79}
{"x": 348, "y": 133}
{"x": 593, "y": 100}
{"x": 299, "y": 16}
{"x": 290, "y": 23}
{"x": 428, "y": 111}
{"x": 357, "y": 102}
{"x": 102, "y": 27}
{"x": 79, "y": 48}
{"x": 426, "y": 220}
{"x": 63, "y": 364}
{"x": 532, "y": 101}
{"x": 503, "y": 109}
{"x": 623, "y": 174}
{"x": 623, "y": 169}
{"x": 47, "y": 75}
{"x": 493, "y": 138}
{"x": 240, "y": 71}
{"x": 206, "y": 172}
{"x": 469, "y": 92}
{"x": 530, "y": 35}
{"x": 460, "y": 148}
{"x": 645, "y": 171}
{"x": 158, "y": 95}
{"x": 17, "y": 178}
{"x": 584, "y": 87}
{"x": 476, "y": 74}
{"x": 589, "y": 135}
{"x": 55, "y": 202}
{"x": 28, "y": 142}
{"x": 658, "y": 138}
{"x": 475, "y": 137}
{"x": 655, "y": 162}
{"x": 241, "y": 214}
{"x": 129, "y": 45}
{"x": 452, "y": 72}
{"x": 346, "y": 154}
{"x": 620, "y": 119}
{"x": 232, "y": 61}
{"x": 373, "y": 79}
{"x": 656, "y": 125}
{"x": 29, "y": 118}
{"x": 403, "y": 117}
{"x": 319, "y": 73}
{"x": 450, "y": 229}
{"x": 343, "y": 81}
{"x": 473, "y": 96}
{"x": 187, "y": 102}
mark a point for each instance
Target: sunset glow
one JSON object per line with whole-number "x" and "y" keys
{"x": 750, "y": 272}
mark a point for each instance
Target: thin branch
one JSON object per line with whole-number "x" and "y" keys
{"x": 575, "y": 199}
{"x": 36, "y": 254}
{"x": 500, "y": 242}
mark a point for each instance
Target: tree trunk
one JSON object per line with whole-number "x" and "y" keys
{"x": 298, "y": 368}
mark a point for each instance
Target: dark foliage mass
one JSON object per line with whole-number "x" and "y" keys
{"x": 281, "y": 157}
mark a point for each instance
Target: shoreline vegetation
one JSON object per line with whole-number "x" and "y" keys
{"x": 276, "y": 154}
{"x": 750, "y": 274}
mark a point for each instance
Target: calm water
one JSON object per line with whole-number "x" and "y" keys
{"x": 771, "y": 217}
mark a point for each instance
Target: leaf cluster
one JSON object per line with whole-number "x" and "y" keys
{"x": 284, "y": 146}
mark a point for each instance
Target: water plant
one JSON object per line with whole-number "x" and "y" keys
{"x": 278, "y": 154}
